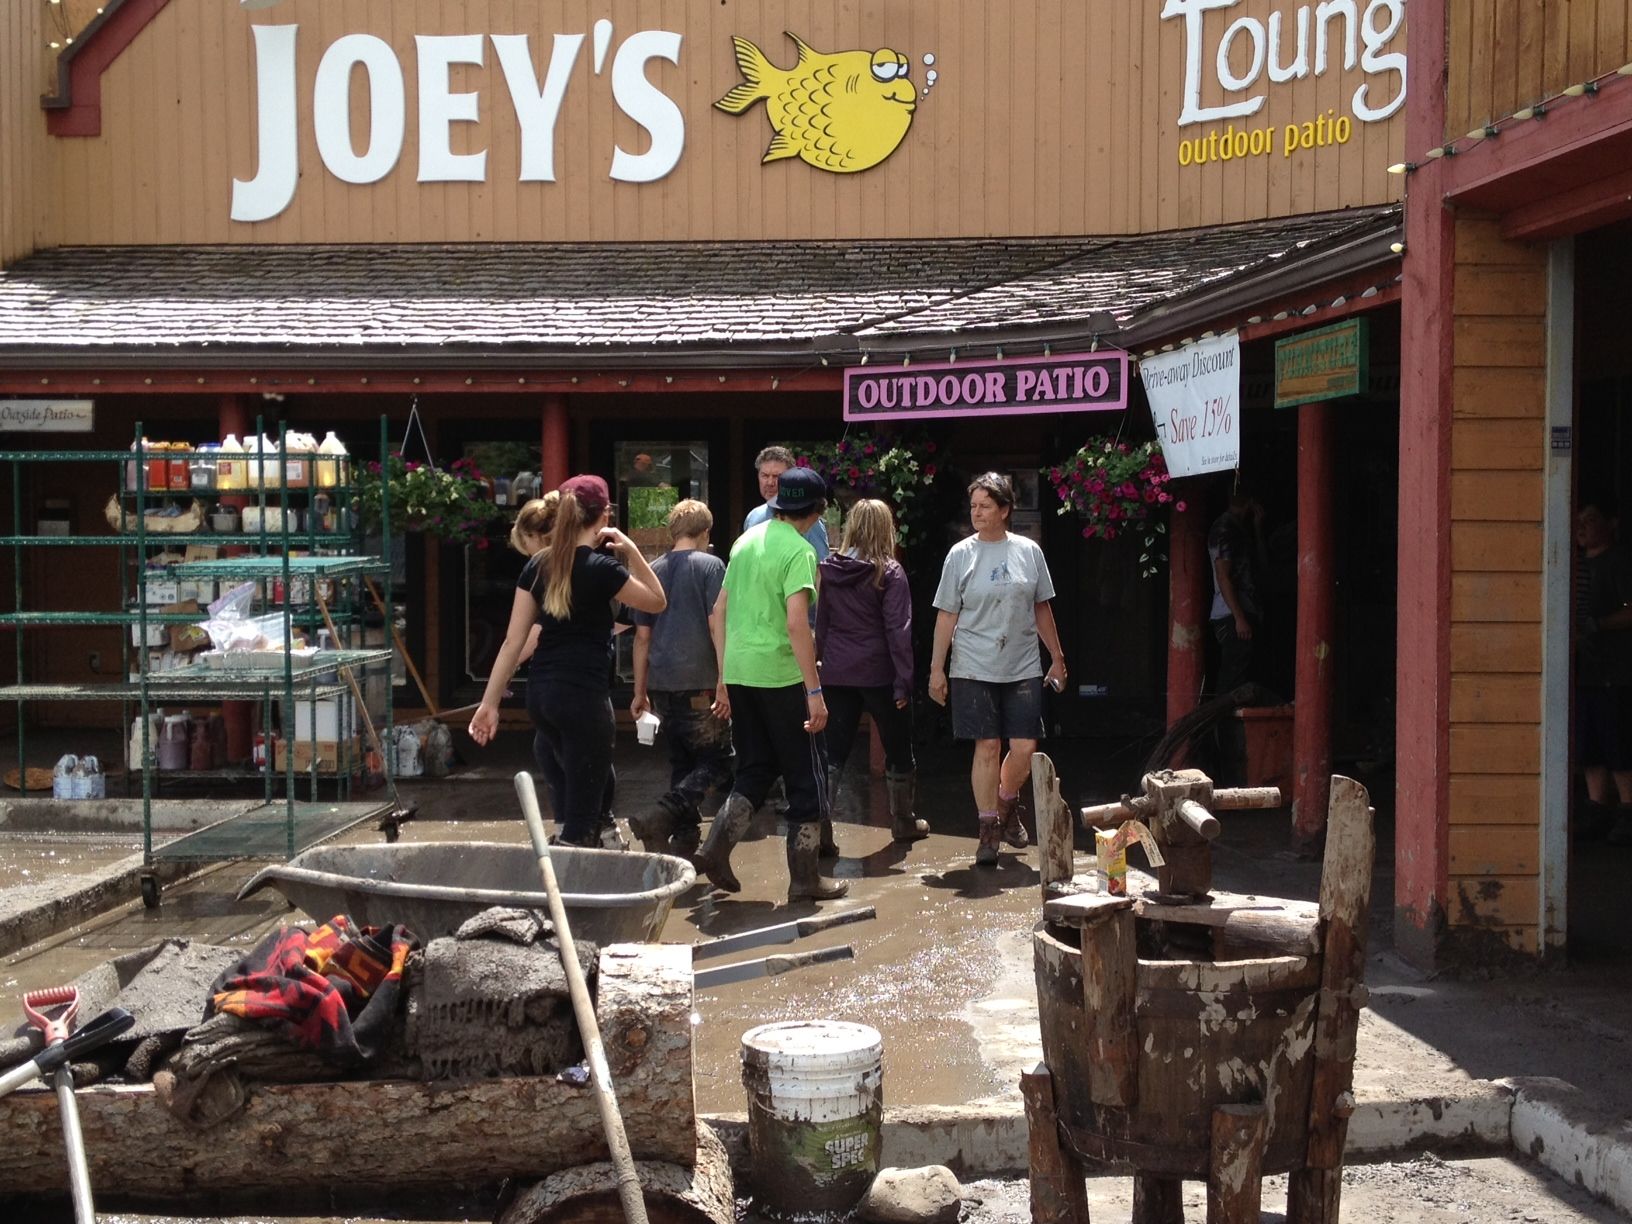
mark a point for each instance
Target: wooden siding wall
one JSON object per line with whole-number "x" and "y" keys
{"x": 23, "y": 152}
{"x": 1506, "y": 54}
{"x": 1048, "y": 117}
{"x": 1498, "y": 447}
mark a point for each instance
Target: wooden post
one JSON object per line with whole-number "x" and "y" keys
{"x": 1157, "y": 1200}
{"x": 1345, "y": 895}
{"x": 1235, "y": 1179}
{"x": 1056, "y": 834}
{"x": 1188, "y": 593}
{"x": 555, "y": 460}
{"x": 1317, "y": 623}
{"x": 1189, "y": 866}
{"x": 1059, "y": 1194}
{"x": 1109, "y": 971}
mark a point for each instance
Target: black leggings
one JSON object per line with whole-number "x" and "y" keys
{"x": 572, "y": 743}
{"x": 844, "y": 706}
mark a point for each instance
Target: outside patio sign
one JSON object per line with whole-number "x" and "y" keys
{"x": 46, "y": 416}
{"x": 1195, "y": 399}
{"x": 1084, "y": 382}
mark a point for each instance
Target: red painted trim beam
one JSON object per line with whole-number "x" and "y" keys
{"x": 1575, "y": 211}
{"x": 76, "y": 108}
{"x": 182, "y": 380}
{"x": 1385, "y": 296}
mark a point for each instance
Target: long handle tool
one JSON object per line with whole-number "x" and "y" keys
{"x": 617, "y": 1142}
{"x": 55, "y": 1029}
{"x": 769, "y": 966}
{"x": 97, "y": 1033}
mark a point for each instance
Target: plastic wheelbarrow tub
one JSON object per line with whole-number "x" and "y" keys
{"x": 433, "y": 887}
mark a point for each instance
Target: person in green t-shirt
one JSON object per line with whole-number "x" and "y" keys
{"x": 770, "y": 689}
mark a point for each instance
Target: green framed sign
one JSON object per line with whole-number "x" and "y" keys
{"x": 1327, "y": 363}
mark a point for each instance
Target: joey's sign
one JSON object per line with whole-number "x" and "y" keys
{"x": 536, "y": 105}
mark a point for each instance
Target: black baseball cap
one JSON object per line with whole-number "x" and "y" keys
{"x": 798, "y": 490}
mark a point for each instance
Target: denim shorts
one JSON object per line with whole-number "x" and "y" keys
{"x": 987, "y": 709}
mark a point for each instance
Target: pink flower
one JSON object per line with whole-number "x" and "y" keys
{"x": 1110, "y": 533}
{"x": 481, "y": 544}
{"x": 802, "y": 461}
{"x": 1179, "y": 506}
{"x": 929, "y": 469}
{"x": 1164, "y": 498}
{"x": 1088, "y": 532}
{"x": 854, "y": 474}
{"x": 868, "y": 449}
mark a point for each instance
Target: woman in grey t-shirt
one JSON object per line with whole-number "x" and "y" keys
{"x": 992, "y": 608}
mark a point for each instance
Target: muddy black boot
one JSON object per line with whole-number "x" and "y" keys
{"x": 730, "y": 824}
{"x": 829, "y": 847}
{"x": 683, "y": 842}
{"x": 654, "y": 828}
{"x": 1008, "y": 821}
{"x": 805, "y": 881}
{"x": 903, "y": 792}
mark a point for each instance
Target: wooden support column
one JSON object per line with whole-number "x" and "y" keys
{"x": 1189, "y": 592}
{"x": 1059, "y": 1191}
{"x": 1109, "y": 982}
{"x": 239, "y": 717}
{"x": 555, "y": 462}
{"x": 1422, "y": 734}
{"x": 1235, "y": 1188}
{"x": 1056, "y": 834}
{"x": 1317, "y": 623}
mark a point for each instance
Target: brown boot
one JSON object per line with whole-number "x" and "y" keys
{"x": 902, "y": 790}
{"x": 1008, "y": 820}
{"x": 805, "y": 881}
{"x": 730, "y": 824}
{"x": 990, "y": 841}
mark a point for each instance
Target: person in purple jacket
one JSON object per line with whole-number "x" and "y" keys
{"x": 864, "y": 643}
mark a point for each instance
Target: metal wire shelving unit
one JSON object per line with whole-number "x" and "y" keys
{"x": 268, "y": 826}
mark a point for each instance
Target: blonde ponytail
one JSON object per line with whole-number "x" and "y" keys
{"x": 570, "y": 522}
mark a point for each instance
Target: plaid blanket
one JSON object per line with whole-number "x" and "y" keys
{"x": 333, "y": 990}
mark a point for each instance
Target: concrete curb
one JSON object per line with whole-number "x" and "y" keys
{"x": 990, "y": 1140}
{"x": 34, "y": 912}
{"x": 1560, "y": 1126}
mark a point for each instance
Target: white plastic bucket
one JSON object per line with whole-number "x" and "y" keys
{"x": 815, "y": 1115}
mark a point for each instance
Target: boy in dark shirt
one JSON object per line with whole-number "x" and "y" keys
{"x": 676, "y": 673}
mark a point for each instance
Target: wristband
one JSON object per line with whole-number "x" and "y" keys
{"x": 815, "y": 692}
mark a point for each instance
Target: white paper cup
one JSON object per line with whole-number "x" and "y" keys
{"x": 646, "y": 727}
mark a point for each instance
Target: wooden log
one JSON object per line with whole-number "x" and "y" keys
{"x": 1313, "y": 1196}
{"x": 1083, "y": 909}
{"x": 1157, "y": 1200}
{"x": 1059, "y": 1188}
{"x": 1235, "y": 1188}
{"x": 674, "y": 1194}
{"x": 1345, "y": 898}
{"x": 1056, "y": 838}
{"x": 400, "y": 1136}
{"x": 1110, "y": 968}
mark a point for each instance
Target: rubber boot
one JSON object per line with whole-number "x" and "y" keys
{"x": 990, "y": 841}
{"x": 805, "y": 881}
{"x": 902, "y": 789}
{"x": 655, "y": 828}
{"x": 730, "y": 824}
{"x": 829, "y": 847}
{"x": 683, "y": 842}
{"x": 1008, "y": 820}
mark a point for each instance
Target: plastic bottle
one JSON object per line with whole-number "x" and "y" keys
{"x": 173, "y": 742}
{"x": 132, "y": 483}
{"x": 300, "y": 451}
{"x": 332, "y": 462}
{"x": 198, "y": 745}
{"x": 229, "y": 466}
{"x": 408, "y": 759}
{"x": 203, "y": 468}
{"x": 62, "y": 778}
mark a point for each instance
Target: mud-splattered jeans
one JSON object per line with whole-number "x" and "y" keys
{"x": 700, "y": 756}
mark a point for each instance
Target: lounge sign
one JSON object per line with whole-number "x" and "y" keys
{"x": 1328, "y": 363}
{"x": 1085, "y": 382}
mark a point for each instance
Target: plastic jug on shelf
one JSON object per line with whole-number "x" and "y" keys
{"x": 229, "y": 466}
{"x": 331, "y": 462}
{"x": 133, "y": 754}
{"x": 62, "y": 777}
{"x": 173, "y": 742}
{"x": 409, "y": 763}
{"x": 89, "y": 780}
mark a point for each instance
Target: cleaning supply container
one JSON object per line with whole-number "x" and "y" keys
{"x": 815, "y": 1115}
{"x": 173, "y": 742}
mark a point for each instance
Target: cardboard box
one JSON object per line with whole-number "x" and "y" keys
{"x": 327, "y": 752}
{"x": 162, "y": 591}
{"x": 327, "y": 720}
{"x": 185, "y": 639}
{"x": 158, "y": 634}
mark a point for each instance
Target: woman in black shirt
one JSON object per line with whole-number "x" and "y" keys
{"x": 567, "y": 591}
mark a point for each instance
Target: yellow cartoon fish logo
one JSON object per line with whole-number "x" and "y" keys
{"x": 842, "y": 112}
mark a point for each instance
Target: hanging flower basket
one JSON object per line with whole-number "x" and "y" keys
{"x": 869, "y": 466}
{"x": 1117, "y": 490}
{"x": 451, "y": 503}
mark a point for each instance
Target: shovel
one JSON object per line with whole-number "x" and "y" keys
{"x": 97, "y": 1033}
{"x": 55, "y": 1029}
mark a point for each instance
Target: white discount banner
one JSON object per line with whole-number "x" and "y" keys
{"x": 1195, "y": 398}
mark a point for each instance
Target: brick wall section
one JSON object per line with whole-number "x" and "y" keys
{"x": 1498, "y": 448}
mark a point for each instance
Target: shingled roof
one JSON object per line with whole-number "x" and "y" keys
{"x": 725, "y": 303}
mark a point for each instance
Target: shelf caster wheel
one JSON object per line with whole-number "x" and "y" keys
{"x": 150, "y": 891}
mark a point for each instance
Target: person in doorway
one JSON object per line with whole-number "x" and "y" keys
{"x": 993, "y": 606}
{"x": 1235, "y": 548}
{"x": 864, "y": 644}
{"x": 771, "y": 691}
{"x": 567, "y": 590}
{"x": 676, "y": 674}
{"x": 1603, "y": 675}
{"x": 769, "y": 465}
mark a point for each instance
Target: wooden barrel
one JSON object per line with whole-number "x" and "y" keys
{"x": 1209, "y": 1034}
